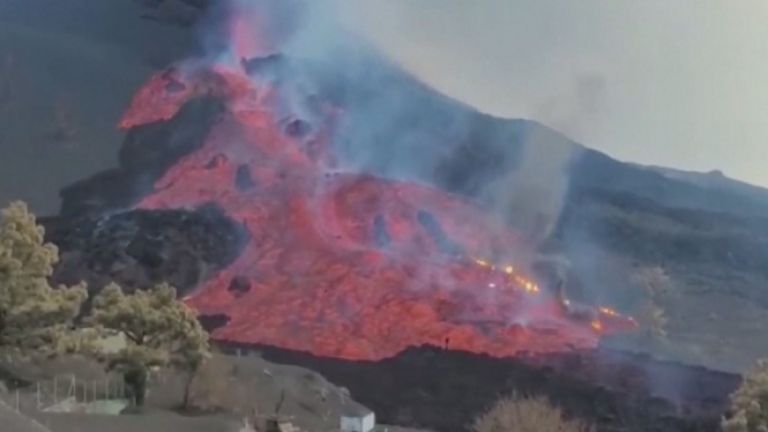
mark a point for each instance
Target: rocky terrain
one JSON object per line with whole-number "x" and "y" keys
{"x": 141, "y": 248}
{"x": 444, "y": 390}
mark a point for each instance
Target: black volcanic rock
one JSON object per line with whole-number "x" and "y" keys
{"x": 597, "y": 171}
{"x": 182, "y": 13}
{"x": 651, "y": 232}
{"x": 239, "y": 286}
{"x": 244, "y": 179}
{"x": 212, "y": 322}
{"x": 445, "y": 390}
{"x": 140, "y": 248}
{"x": 147, "y": 152}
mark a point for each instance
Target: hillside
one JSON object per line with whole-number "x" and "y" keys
{"x": 612, "y": 219}
{"x": 233, "y": 387}
{"x": 340, "y": 215}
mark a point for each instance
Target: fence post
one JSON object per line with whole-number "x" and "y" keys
{"x": 38, "y": 395}
{"x": 72, "y": 392}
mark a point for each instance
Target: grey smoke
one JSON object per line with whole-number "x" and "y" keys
{"x": 397, "y": 126}
{"x": 579, "y": 107}
{"x": 532, "y": 196}
{"x": 683, "y": 81}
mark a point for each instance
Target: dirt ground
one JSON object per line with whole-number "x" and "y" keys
{"x": 13, "y": 421}
{"x": 230, "y": 388}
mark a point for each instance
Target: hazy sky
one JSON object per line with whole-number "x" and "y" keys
{"x": 681, "y": 83}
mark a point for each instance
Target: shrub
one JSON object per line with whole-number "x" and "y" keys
{"x": 210, "y": 386}
{"x": 526, "y": 414}
{"x": 749, "y": 404}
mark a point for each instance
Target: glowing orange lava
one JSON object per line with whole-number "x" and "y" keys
{"x": 345, "y": 265}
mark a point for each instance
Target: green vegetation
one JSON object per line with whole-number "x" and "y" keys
{"x": 159, "y": 331}
{"x": 34, "y": 317}
{"x": 749, "y": 404}
{"x": 526, "y": 414}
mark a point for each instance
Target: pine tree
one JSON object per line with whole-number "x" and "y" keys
{"x": 159, "y": 331}
{"x": 34, "y": 317}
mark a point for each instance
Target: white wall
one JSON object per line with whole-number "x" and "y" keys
{"x": 358, "y": 424}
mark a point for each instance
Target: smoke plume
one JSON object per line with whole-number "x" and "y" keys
{"x": 398, "y": 126}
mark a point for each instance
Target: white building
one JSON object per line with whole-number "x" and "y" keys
{"x": 357, "y": 418}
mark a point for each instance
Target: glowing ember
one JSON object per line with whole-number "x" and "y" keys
{"x": 345, "y": 265}
{"x": 597, "y": 325}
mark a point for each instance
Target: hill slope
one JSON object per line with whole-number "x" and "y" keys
{"x": 612, "y": 219}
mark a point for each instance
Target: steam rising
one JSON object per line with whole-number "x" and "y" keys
{"x": 676, "y": 84}
{"x": 396, "y": 127}
{"x": 532, "y": 196}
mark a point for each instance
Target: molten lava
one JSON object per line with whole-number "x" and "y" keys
{"x": 344, "y": 264}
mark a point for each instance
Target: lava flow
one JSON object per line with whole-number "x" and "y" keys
{"x": 344, "y": 264}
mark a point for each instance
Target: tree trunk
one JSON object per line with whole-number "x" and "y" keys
{"x": 188, "y": 389}
{"x": 136, "y": 381}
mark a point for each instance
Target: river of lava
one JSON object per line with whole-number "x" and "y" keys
{"x": 345, "y": 265}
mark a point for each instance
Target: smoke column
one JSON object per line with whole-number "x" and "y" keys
{"x": 396, "y": 126}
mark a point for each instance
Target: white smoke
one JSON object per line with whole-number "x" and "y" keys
{"x": 396, "y": 127}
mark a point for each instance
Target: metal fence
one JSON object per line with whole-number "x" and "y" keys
{"x": 44, "y": 394}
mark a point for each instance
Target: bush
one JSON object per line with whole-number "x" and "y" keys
{"x": 158, "y": 330}
{"x": 749, "y": 404}
{"x": 527, "y": 414}
{"x": 211, "y": 386}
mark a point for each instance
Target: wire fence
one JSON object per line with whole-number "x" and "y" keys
{"x": 47, "y": 394}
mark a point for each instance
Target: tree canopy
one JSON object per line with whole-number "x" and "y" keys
{"x": 33, "y": 314}
{"x": 159, "y": 331}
